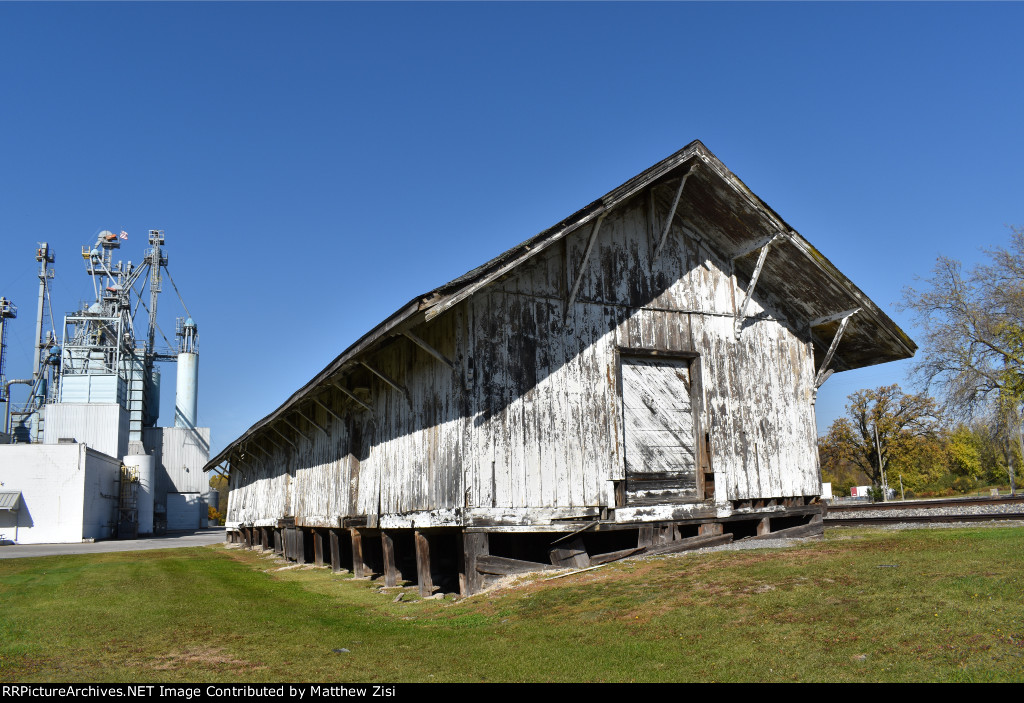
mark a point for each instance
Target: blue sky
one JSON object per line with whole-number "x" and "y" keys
{"x": 317, "y": 165}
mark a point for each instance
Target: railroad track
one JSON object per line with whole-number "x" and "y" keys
{"x": 927, "y": 511}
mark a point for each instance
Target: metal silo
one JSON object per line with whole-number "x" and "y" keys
{"x": 187, "y": 395}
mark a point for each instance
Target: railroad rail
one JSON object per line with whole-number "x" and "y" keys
{"x": 927, "y": 511}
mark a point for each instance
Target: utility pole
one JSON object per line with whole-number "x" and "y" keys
{"x": 881, "y": 467}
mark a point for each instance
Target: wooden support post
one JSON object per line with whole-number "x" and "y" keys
{"x": 460, "y": 560}
{"x": 583, "y": 262}
{"x": 646, "y": 536}
{"x": 278, "y": 546}
{"x": 423, "y": 574}
{"x": 764, "y": 526}
{"x": 300, "y": 432}
{"x": 357, "y": 553}
{"x": 672, "y": 212}
{"x": 279, "y": 432}
{"x": 273, "y": 442}
{"x": 387, "y": 379}
{"x": 351, "y": 396}
{"x": 318, "y": 548}
{"x": 474, "y": 545}
{"x": 361, "y": 566}
{"x": 300, "y": 546}
{"x": 710, "y": 528}
{"x": 391, "y": 573}
{"x": 257, "y": 446}
{"x": 429, "y": 349}
{"x": 742, "y": 314}
{"x": 663, "y": 534}
{"x": 330, "y": 412}
{"x": 335, "y": 551}
{"x": 311, "y": 421}
{"x": 821, "y": 376}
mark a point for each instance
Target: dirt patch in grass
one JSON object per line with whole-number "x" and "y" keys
{"x": 202, "y": 657}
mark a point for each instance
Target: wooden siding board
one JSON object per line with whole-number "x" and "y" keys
{"x": 482, "y": 439}
{"x": 562, "y": 388}
{"x": 514, "y": 429}
{"x": 712, "y": 335}
{"x": 546, "y": 405}
{"x": 603, "y": 399}
{"x": 591, "y": 407}
{"x": 574, "y": 385}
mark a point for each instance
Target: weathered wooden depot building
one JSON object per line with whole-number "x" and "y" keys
{"x": 640, "y": 376}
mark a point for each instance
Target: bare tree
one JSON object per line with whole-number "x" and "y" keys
{"x": 973, "y": 349}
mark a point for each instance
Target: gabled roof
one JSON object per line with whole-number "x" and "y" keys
{"x": 733, "y": 219}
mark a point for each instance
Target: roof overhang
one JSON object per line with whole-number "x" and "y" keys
{"x": 10, "y": 500}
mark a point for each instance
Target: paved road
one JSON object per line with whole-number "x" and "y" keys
{"x": 197, "y": 538}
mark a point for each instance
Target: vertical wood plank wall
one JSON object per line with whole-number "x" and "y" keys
{"x": 531, "y": 415}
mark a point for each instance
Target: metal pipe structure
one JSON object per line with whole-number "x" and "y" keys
{"x": 156, "y": 238}
{"x": 44, "y": 257}
{"x": 147, "y": 489}
{"x": 7, "y": 394}
{"x": 8, "y": 311}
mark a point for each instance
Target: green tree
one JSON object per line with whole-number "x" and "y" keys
{"x": 964, "y": 451}
{"x": 885, "y": 430}
{"x": 837, "y": 469}
{"x": 219, "y": 483}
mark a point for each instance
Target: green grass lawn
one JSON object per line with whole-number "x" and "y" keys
{"x": 862, "y": 605}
